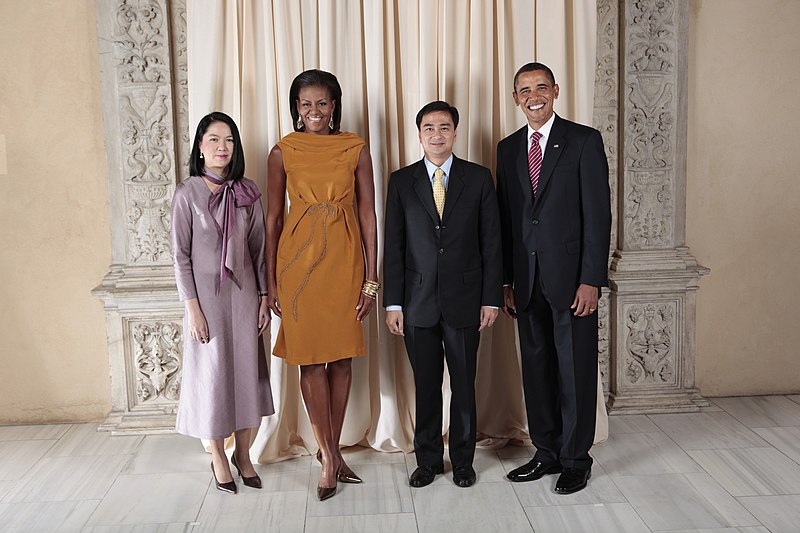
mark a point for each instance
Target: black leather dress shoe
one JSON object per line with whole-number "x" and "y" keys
{"x": 572, "y": 480}
{"x": 464, "y": 476}
{"x": 424, "y": 475}
{"x": 533, "y": 470}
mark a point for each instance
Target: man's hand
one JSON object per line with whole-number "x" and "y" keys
{"x": 488, "y": 316}
{"x": 585, "y": 302}
{"x": 394, "y": 320}
{"x": 510, "y": 307}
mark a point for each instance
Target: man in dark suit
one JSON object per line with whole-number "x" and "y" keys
{"x": 442, "y": 285}
{"x": 555, "y": 214}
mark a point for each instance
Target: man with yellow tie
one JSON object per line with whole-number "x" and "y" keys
{"x": 442, "y": 285}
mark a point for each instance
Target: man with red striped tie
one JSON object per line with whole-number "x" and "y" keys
{"x": 555, "y": 215}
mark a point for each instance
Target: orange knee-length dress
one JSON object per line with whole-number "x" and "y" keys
{"x": 320, "y": 262}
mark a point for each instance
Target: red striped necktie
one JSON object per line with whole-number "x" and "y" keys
{"x": 535, "y": 160}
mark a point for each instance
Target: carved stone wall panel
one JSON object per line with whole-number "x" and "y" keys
{"x": 605, "y": 119}
{"x": 652, "y": 346}
{"x": 155, "y": 348}
{"x": 142, "y": 54}
{"x": 650, "y": 110}
{"x": 180, "y": 87}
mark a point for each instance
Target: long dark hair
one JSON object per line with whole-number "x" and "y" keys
{"x": 316, "y": 78}
{"x": 235, "y": 167}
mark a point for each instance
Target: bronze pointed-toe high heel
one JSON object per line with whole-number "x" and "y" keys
{"x": 323, "y": 493}
{"x": 229, "y": 487}
{"x": 344, "y": 477}
{"x": 254, "y": 481}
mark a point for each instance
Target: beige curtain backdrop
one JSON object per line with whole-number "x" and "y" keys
{"x": 390, "y": 58}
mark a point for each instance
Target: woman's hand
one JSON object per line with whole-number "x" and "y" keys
{"x": 264, "y": 318}
{"x": 198, "y": 327}
{"x": 365, "y": 304}
{"x": 272, "y": 301}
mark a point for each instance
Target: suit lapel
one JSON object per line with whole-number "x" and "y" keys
{"x": 522, "y": 166}
{"x": 422, "y": 186}
{"x": 555, "y": 147}
{"x": 455, "y": 185}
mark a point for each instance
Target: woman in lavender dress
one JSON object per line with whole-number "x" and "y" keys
{"x": 218, "y": 245}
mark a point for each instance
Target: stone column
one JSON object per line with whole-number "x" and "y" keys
{"x": 653, "y": 276}
{"x": 143, "y": 75}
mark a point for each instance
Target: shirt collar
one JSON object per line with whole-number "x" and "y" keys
{"x": 545, "y": 129}
{"x": 431, "y": 168}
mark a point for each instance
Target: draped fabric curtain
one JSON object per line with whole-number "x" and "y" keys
{"x": 391, "y": 58}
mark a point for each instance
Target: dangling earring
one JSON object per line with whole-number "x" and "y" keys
{"x": 201, "y": 155}
{"x": 299, "y": 123}
{"x": 330, "y": 123}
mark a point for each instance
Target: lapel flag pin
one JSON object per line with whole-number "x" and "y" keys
{"x": 555, "y": 146}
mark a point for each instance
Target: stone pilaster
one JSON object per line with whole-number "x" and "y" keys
{"x": 653, "y": 276}
{"x": 143, "y": 75}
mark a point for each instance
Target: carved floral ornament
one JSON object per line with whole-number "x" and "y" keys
{"x": 650, "y": 358}
{"x": 156, "y": 348}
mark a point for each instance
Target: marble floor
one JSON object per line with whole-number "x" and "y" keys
{"x": 733, "y": 467}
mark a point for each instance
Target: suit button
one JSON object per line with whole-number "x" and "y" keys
{"x": 441, "y": 250}
{"x": 436, "y": 227}
{"x": 533, "y": 252}
{"x": 535, "y": 222}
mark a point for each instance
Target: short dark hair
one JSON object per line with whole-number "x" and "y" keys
{"x": 438, "y": 105}
{"x": 530, "y": 67}
{"x": 236, "y": 166}
{"x": 316, "y": 78}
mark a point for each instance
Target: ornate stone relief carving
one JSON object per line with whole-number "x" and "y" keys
{"x": 650, "y": 344}
{"x": 145, "y": 116}
{"x": 180, "y": 87}
{"x": 606, "y": 112}
{"x": 650, "y": 109}
{"x": 156, "y": 347}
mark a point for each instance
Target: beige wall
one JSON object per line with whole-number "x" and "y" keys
{"x": 54, "y": 232}
{"x": 743, "y": 212}
{"x": 743, "y": 187}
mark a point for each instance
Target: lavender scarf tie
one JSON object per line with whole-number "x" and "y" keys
{"x": 230, "y": 195}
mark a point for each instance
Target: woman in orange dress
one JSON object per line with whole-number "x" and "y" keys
{"x": 316, "y": 258}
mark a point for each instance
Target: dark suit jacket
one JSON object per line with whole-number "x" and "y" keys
{"x": 448, "y": 268}
{"x": 566, "y": 231}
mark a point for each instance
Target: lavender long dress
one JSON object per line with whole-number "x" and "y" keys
{"x": 225, "y": 382}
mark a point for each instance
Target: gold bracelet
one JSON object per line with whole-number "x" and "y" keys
{"x": 370, "y": 288}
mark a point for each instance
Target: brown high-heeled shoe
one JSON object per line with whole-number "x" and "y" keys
{"x": 254, "y": 481}
{"x": 344, "y": 477}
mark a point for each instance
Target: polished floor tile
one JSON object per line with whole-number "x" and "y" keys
{"x": 794, "y": 397}
{"x": 751, "y": 471}
{"x": 253, "y": 512}
{"x": 385, "y": 490}
{"x": 762, "y": 411}
{"x": 683, "y": 501}
{"x": 384, "y": 523}
{"x": 18, "y": 457}
{"x": 142, "y": 528}
{"x": 43, "y": 432}
{"x": 61, "y": 517}
{"x": 597, "y": 518}
{"x": 703, "y": 431}
{"x": 5, "y": 488}
{"x": 482, "y": 507}
{"x": 169, "y": 453}
{"x": 787, "y": 440}
{"x": 744, "y": 529}
{"x": 152, "y": 499}
{"x": 642, "y": 454}
{"x": 780, "y": 514}
{"x": 277, "y": 481}
{"x": 601, "y": 489}
{"x": 630, "y": 424}
{"x": 68, "y": 478}
{"x": 84, "y": 439}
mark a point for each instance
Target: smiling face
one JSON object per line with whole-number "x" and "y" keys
{"x": 535, "y": 94}
{"x": 315, "y": 107}
{"x": 437, "y": 135}
{"x": 217, "y": 147}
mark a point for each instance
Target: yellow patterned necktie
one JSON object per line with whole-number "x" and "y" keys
{"x": 438, "y": 191}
